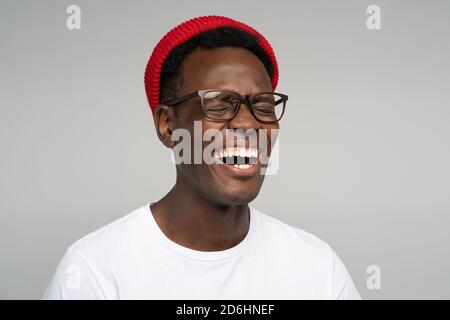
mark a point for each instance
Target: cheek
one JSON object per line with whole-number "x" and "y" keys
{"x": 273, "y": 135}
{"x": 270, "y": 136}
{"x": 213, "y": 134}
{"x": 273, "y": 129}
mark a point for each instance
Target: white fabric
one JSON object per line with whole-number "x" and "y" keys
{"x": 132, "y": 258}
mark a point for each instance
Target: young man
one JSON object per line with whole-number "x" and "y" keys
{"x": 202, "y": 240}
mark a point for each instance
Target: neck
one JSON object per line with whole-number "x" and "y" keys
{"x": 190, "y": 218}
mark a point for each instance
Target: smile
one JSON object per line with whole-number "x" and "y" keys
{"x": 240, "y": 158}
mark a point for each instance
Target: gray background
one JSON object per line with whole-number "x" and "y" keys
{"x": 365, "y": 153}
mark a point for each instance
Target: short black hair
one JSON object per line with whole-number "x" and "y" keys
{"x": 171, "y": 79}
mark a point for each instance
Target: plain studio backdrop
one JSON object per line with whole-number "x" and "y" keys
{"x": 364, "y": 146}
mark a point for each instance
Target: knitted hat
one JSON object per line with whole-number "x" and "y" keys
{"x": 182, "y": 33}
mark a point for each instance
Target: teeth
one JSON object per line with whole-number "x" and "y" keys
{"x": 242, "y": 166}
{"x": 237, "y": 152}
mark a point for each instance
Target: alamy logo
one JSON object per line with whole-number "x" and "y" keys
{"x": 73, "y": 21}
{"x": 374, "y": 19}
{"x": 238, "y": 147}
{"x": 373, "y": 281}
{"x": 73, "y": 281}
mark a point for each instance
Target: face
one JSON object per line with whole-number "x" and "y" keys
{"x": 234, "y": 69}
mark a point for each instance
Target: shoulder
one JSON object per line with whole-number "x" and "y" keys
{"x": 112, "y": 246}
{"x": 308, "y": 254}
{"x": 87, "y": 268}
{"x": 114, "y": 237}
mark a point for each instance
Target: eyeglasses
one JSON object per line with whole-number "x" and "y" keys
{"x": 223, "y": 105}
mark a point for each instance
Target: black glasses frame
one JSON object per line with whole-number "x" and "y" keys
{"x": 242, "y": 98}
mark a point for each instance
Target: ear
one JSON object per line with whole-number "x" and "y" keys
{"x": 164, "y": 118}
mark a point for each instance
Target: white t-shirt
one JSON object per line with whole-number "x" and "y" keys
{"x": 132, "y": 258}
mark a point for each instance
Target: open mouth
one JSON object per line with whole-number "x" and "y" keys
{"x": 241, "y": 158}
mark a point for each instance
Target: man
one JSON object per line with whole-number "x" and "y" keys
{"x": 202, "y": 240}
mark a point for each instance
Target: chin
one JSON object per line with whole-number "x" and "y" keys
{"x": 234, "y": 196}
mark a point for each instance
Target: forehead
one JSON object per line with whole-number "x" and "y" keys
{"x": 230, "y": 68}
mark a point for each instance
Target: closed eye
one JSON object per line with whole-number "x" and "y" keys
{"x": 268, "y": 111}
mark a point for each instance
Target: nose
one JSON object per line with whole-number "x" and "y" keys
{"x": 244, "y": 119}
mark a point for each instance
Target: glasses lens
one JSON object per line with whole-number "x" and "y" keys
{"x": 220, "y": 104}
{"x": 268, "y": 106}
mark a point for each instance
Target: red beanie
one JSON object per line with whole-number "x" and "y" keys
{"x": 182, "y": 33}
